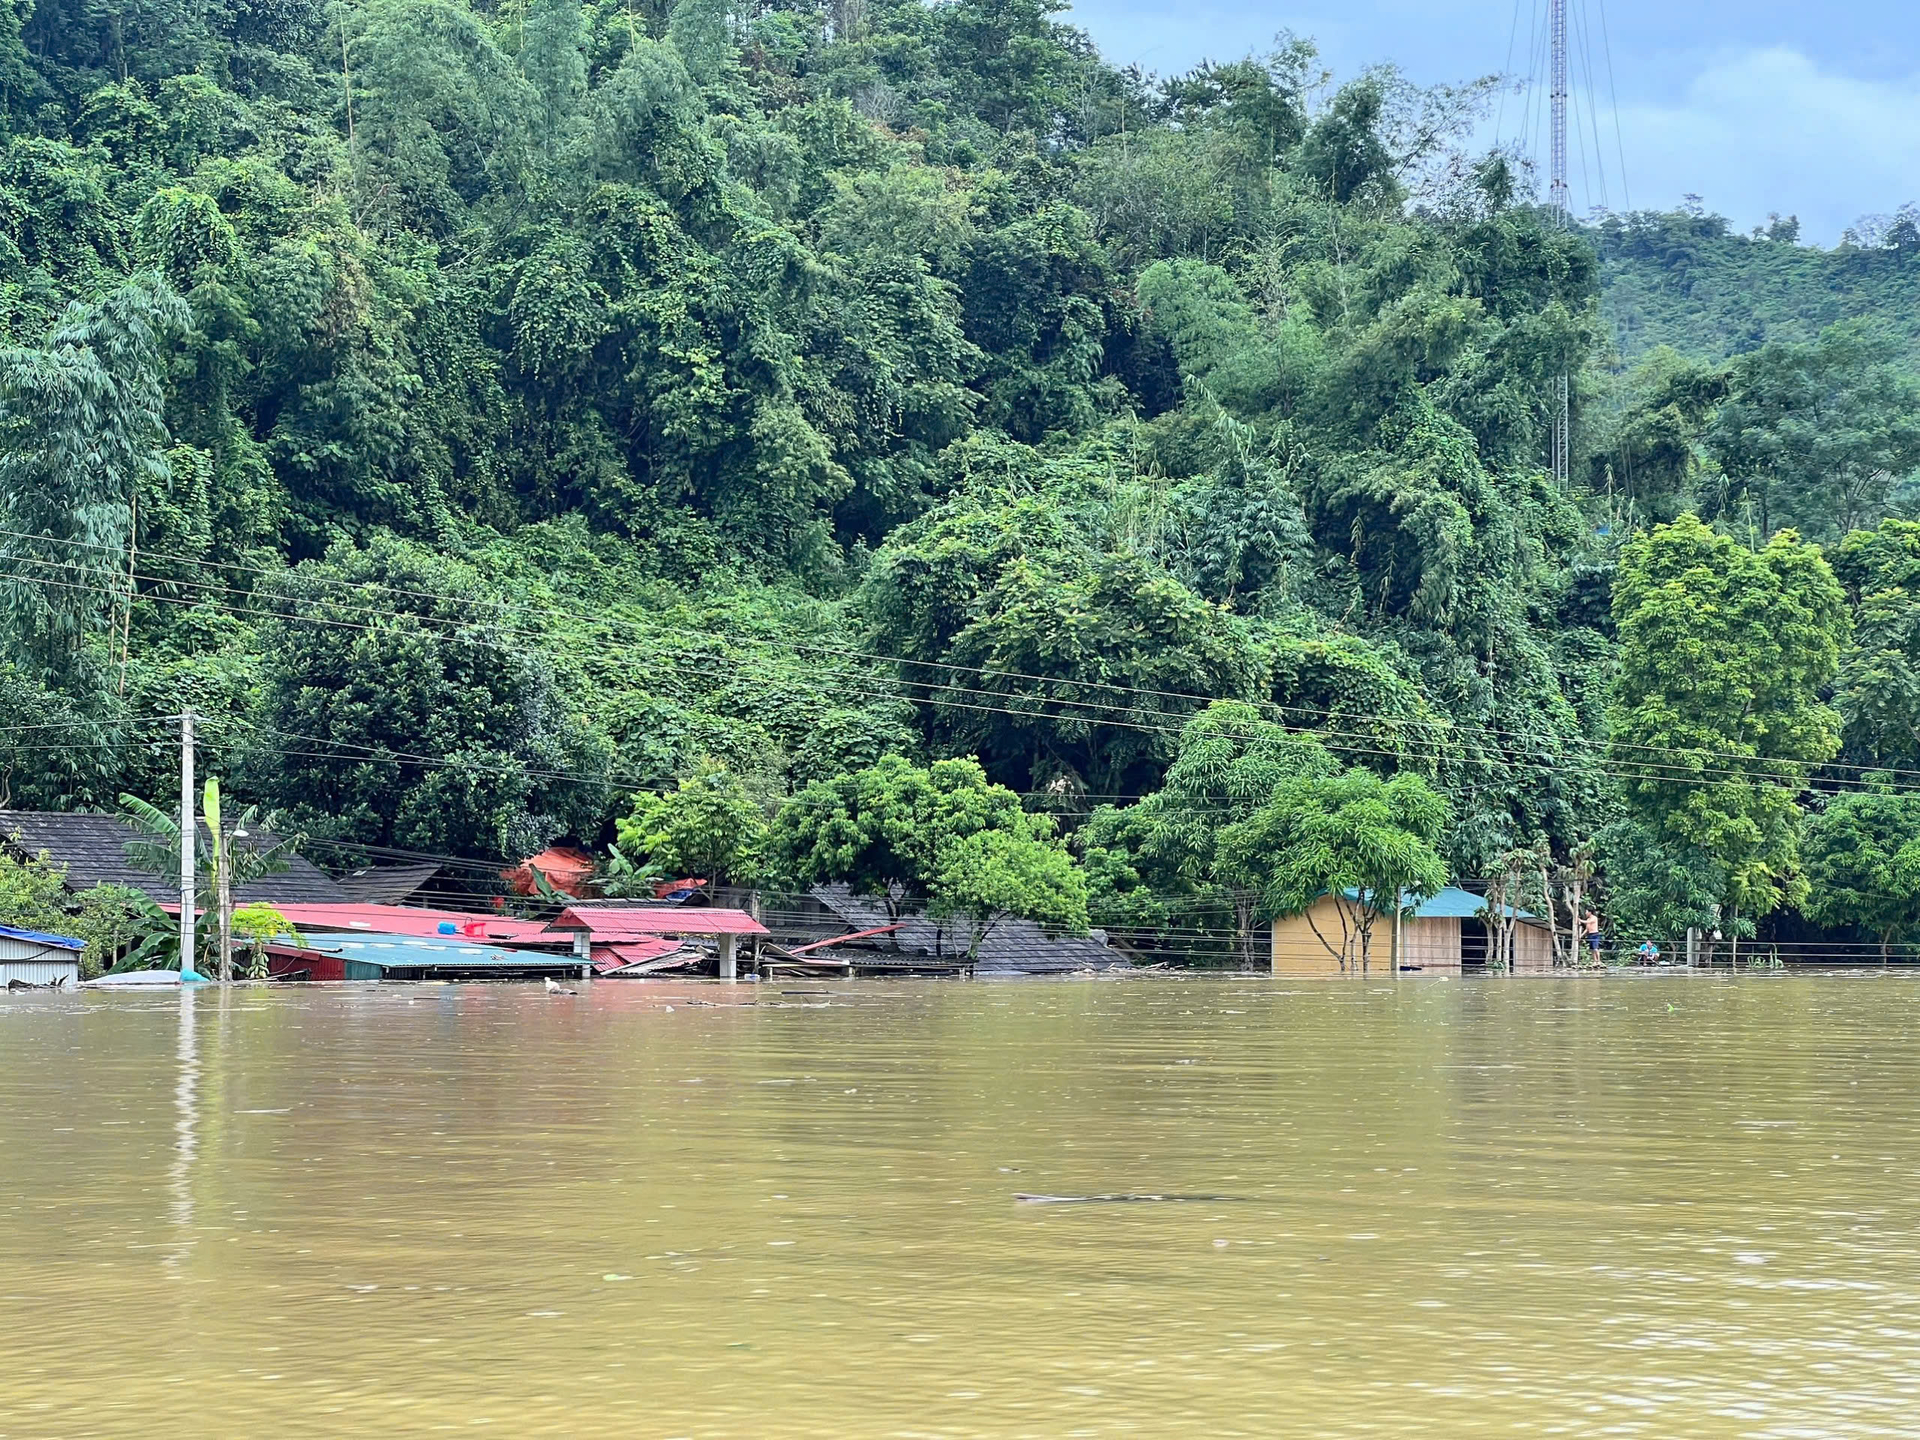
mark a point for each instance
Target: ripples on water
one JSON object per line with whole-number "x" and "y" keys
{"x": 1583, "y": 1207}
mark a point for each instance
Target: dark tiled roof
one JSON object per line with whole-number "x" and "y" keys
{"x": 94, "y": 850}
{"x": 386, "y": 884}
{"x": 1013, "y": 947}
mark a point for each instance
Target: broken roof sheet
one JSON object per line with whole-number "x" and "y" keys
{"x": 612, "y": 923}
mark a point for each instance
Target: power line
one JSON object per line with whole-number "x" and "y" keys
{"x": 1692, "y": 771}
{"x": 1613, "y": 95}
{"x": 1440, "y": 723}
{"x": 1745, "y": 768}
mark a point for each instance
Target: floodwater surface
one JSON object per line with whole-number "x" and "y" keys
{"x": 1662, "y": 1208}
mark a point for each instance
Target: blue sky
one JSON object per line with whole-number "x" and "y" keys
{"x": 1805, "y": 108}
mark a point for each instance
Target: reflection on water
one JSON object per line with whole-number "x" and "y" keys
{"x": 1594, "y": 1207}
{"x": 186, "y": 1129}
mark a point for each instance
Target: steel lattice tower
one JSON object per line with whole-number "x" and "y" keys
{"x": 1562, "y": 204}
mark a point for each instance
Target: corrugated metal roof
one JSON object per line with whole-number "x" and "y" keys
{"x": 609, "y": 923}
{"x": 386, "y": 884}
{"x": 397, "y": 949}
{"x": 1453, "y": 903}
{"x": 417, "y": 920}
{"x": 94, "y": 850}
{"x": 368, "y": 956}
{"x": 41, "y": 937}
{"x": 633, "y": 952}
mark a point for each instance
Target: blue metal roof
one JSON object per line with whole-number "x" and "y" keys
{"x": 373, "y": 956}
{"x": 1452, "y": 903}
{"x": 391, "y": 949}
{"x": 40, "y": 937}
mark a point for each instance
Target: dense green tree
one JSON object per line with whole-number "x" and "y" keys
{"x": 1816, "y": 435}
{"x": 1654, "y": 462}
{"x": 943, "y": 836}
{"x": 1717, "y": 714}
{"x": 1878, "y": 692}
{"x": 991, "y": 875}
{"x": 1160, "y": 862}
{"x": 1363, "y": 840}
{"x": 708, "y": 828}
{"x": 105, "y": 918}
{"x": 397, "y": 708}
{"x": 1863, "y": 864}
{"x": 80, "y": 428}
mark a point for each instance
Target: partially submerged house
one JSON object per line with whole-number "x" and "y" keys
{"x": 356, "y": 955}
{"x": 388, "y": 884}
{"x": 420, "y": 921}
{"x": 629, "y": 939}
{"x": 916, "y": 943}
{"x": 32, "y": 959}
{"x": 1446, "y": 934}
{"x": 93, "y": 848}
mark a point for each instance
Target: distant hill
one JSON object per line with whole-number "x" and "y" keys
{"x": 1689, "y": 282}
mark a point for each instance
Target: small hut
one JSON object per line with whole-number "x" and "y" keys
{"x": 31, "y": 957}
{"x": 1445, "y": 934}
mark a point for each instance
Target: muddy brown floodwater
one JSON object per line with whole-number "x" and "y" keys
{"x": 1649, "y": 1207}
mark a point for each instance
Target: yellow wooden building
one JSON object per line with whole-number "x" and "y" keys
{"x": 1443, "y": 935}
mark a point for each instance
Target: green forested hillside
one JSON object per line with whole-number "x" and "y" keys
{"x": 481, "y": 415}
{"x": 1689, "y": 282}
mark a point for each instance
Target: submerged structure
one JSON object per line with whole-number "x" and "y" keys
{"x": 1444, "y": 934}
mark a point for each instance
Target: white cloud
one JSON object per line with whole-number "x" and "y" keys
{"x": 1770, "y": 130}
{"x": 1753, "y": 129}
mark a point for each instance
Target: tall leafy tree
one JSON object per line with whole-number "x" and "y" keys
{"x": 1717, "y": 713}
{"x": 1816, "y": 435}
{"x": 398, "y": 708}
{"x": 1878, "y": 690}
{"x": 1160, "y": 860}
{"x": 942, "y": 836}
{"x": 1360, "y": 839}
{"x": 81, "y": 426}
{"x": 707, "y": 828}
{"x": 1862, "y": 856}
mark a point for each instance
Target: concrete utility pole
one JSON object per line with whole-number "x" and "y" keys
{"x": 186, "y": 842}
{"x": 1562, "y": 198}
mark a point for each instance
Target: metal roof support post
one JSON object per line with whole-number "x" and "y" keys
{"x": 186, "y": 844}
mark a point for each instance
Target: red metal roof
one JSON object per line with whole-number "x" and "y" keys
{"x": 612, "y": 924}
{"x": 414, "y": 920}
{"x": 286, "y": 961}
{"x": 631, "y": 952}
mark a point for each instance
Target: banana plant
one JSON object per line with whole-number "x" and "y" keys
{"x": 157, "y": 851}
